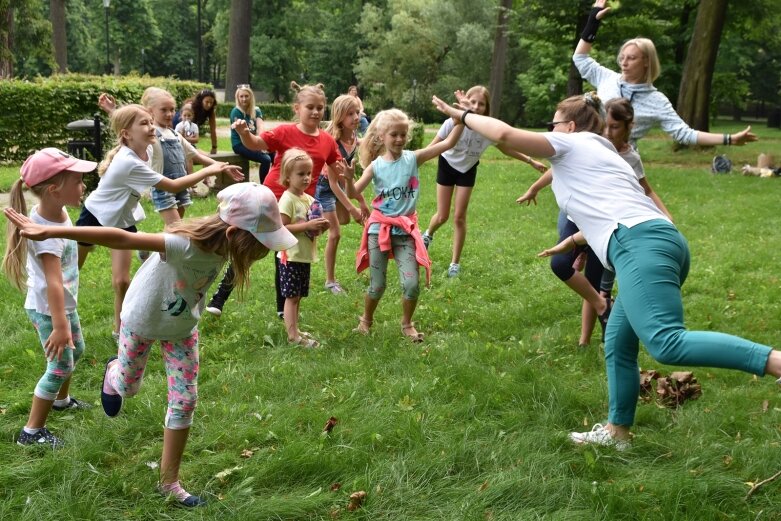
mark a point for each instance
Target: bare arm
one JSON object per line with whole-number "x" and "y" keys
{"x": 655, "y": 197}
{"x": 177, "y": 185}
{"x": 213, "y": 130}
{"x": 363, "y": 182}
{"x": 431, "y": 151}
{"x": 315, "y": 225}
{"x": 248, "y": 139}
{"x": 60, "y": 337}
{"x": 738, "y": 138}
{"x": 568, "y": 244}
{"x": 531, "y": 194}
{"x": 113, "y": 238}
{"x": 540, "y": 167}
{"x": 334, "y": 173}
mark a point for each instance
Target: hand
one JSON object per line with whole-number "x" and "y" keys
{"x": 528, "y": 198}
{"x": 365, "y": 211}
{"x": 446, "y": 109}
{"x": 240, "y": 126}
{"x": 27, "y": 228}
{"x": 233, "y": 170}
{"x": 461, "y": 98}
{"x": 540, "y": 167}
{"x": 340, "y": 168}
{"x": 562, "y": 247}
{"x": 317, "y": 225}
{"x": 107, "y": 103}
{"x": 743, "y": 137}
{"x": 356, "y": 213}
{"x": 58, "y": 341}
{"x": 601, "y": 5}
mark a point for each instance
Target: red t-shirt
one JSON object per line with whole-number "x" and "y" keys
{"x": 321, "y": 148}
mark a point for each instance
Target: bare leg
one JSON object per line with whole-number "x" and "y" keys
{"x": 291, "y": 318}
{"x": 444, "y": 195}
{"x": 120, "y": 280}
{"x": 39, "y": 411}
{"x": 407, "y": 310}
{"x": 580, "y": 285}
{"x": 369, "y": 307}
{"x": 174, "y": 441}
{"x": 463, "y": 194}
{"x": 64, "y": 389}
{"x": 83, "y": 252}
{"x": 170, "y": 215}
{"x": 334, "y": 235}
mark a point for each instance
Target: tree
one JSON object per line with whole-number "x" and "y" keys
{"x": 237, "y": 69}
{"x": 499, "y": 57}
{"x": 25, "y": 39}
{"x": 694, "y": 95}
{"x": 59, "y": 38}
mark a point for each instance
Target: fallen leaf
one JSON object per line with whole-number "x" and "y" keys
{"x": 335, "y": 487}
{"x": 483, "y": 486}
{"x": 330, "y": 424}
{"x": 727, "y": 460}
{"x": 356, "y": 500}
{"x": 247, "y": 453}
{"x": 765, "y": 405}
{"x": 227, "y": 472}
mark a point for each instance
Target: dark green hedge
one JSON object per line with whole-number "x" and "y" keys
{"x": 33, "y": 114}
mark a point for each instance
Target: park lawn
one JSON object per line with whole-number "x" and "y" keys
{"x": 470, "y": 424}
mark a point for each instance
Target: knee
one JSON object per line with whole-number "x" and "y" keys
{"x": 459, "y": 220}
{"x": 440, "y": 218}
{"x": 410, "y": 288}
{"x": 665, "y": 347}
{"x": 561, "y": 265}
{"x": 375, "y": 292}
{"x": 120, "y": 283}
{"x": 180, "y": 411}
{"x": 335, "y": 233}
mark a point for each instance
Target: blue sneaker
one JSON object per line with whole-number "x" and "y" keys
{"x": 427, "y": 239}
{"x": 39, "y": 439}
{"x": 112, "y": 403}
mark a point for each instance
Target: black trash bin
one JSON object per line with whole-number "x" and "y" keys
{"x": 89, "y": 143}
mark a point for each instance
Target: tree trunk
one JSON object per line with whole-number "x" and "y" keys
{"x": 59, "y": 40}
{"x": 499, "y": 58}
{"x": 237, "y": 69}
{"x": 694, "y": 94}
{"x": 6, "y": 41}
{"x": 574, "y": 81}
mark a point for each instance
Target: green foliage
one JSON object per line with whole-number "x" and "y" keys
{"x": 33, "y": 114}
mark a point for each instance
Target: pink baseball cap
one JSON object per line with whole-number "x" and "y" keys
{"x": 49, "y": 162}
{"x": 253, "y": 207}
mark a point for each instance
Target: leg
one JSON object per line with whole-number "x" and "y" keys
{"x": 120, "y": 280}
{"x": 78, "y": 350}
{"x": 342, "y": 215}
{"x": 125, "y": 375}
{"x": 588, "y": 314}
{"x": 278, "y": 288}
{"x": 170, "y": 215}
{"x": 378, "y": 267}
{"x": 334, "y": 235}
{"x": 223, "y": 292}
{"x": 84, "y": 250}
{"x": 463, "y": 194}
{"x": 174, "y": 442}
{"x": 409, "y": 275}
{"x": 444, "y": 196}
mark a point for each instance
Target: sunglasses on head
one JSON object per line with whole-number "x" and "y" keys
{"x": 243, "y": 86}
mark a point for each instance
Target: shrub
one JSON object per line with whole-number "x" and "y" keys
{"x": 33, "y": 114}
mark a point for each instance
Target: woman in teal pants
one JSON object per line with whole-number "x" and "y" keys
{"x": 631, "y": 236}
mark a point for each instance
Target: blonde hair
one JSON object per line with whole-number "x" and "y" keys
{"x": 153, "y": 96}
{"x": 648, "y": 50}
{"x": 339, "y": 108}
{"x": 485, "y": 93}
{"x": 289, "y": 159}
{"x": 210, "y": 235}
{"x": 251, "y": 100}
{"x": 15, "y": 259}
{"x": 371, "y": 144}
{"x": 307, "y": 90}
{"x": 121, "y": 119}
{"x": 585, "y": 110}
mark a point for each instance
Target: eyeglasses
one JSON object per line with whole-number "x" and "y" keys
{"x": 552, "y": 124}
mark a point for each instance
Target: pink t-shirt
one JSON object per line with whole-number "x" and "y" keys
{"x": 321, "y": 148}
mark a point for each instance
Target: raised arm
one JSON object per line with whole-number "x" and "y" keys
{"x": 182, "y": 183}
{"x": 113, "y": 238}
{"x": 530, "y": 143}
{"x": 590, "y": 30}
{"x": 433, "y": 150}
{"x": 248, "y": 139}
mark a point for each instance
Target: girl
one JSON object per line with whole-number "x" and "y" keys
{"x": 294, "y": 270}
{"x": 49, "y": 272}
{"x": 245, "y": 109}
{"x": 457, "y": 170}
{"x": 309, "y": 105}
{"x": 392, "y": 228}
{"x": 363, "y": 122}
{"x": 205, "y": 108}
{"x": 630, "y": 235}
{"x": 165, "y": 301}
{"x": 186, "y": 127}
{"x": 330, "y": 192}
{"x": 125, "y": 175}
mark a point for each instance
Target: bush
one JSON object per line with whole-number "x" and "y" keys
{"x": 416, "y": 139}
{"x": 33, "y": 114}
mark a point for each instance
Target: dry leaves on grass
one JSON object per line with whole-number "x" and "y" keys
{"x": 356, "y": 500}
{"x": 330, "y": 424}
{"x": 669, "y": 391}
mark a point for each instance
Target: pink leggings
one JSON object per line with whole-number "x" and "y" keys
{"x": 181, "y": 367}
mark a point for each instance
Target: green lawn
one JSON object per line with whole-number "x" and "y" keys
{"x": 469, "y": 425}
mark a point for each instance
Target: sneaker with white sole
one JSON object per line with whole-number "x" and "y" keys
{"x": 427, "y": 239}
{"x": 453, "y": 270}
{"x": 39, "y": 439}
{"x": 73, "y": 405}
{"x": 598, "y": 435}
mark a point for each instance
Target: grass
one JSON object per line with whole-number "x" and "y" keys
{"x": 471, "y": 424}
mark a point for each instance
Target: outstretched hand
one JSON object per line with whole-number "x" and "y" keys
{"x": 744, "y": 136}
{"x": 528, "y": 198}
{"x": 240, "y": 126}
{"x": 540, "y": 167}
{"x": 446, "y": 108}
{"x": 107, "y": 103}
{"x": 604, "y": 10}
{"x": 27, "y": 228}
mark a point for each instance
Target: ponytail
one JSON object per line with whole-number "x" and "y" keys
{"x": 103, "y": 166}
{"x": 15, "y": 259}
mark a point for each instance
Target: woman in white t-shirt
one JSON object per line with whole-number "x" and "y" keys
{"x": 634, "y": 238}
{"x": 125, "y": 175}
{"x": 457, "y": 171}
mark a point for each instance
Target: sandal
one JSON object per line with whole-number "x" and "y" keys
{"x": 364, "y": 326}
{"x": 406, "y": 330}
{"x": 305, "y": 340}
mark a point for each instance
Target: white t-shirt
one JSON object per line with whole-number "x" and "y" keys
{"x": 67, "y": 251}
{"x": 156, "y": 159}
{"x": 167, "y": 294}
{"x": 632, "y": 157}
{"x": 187, "y": 128}
{"x": 468, "y": 149}
{"x": 597, "y": 188}
{"x": 115, "y": 201}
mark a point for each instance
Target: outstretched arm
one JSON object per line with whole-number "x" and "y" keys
{"x": 568, "y": 244}
{"x": 738, "y": 138}
{"x": 432, "y": 151}
{"x": 531, "y": 194}
{"x": 540, "y": 167}
{"x": 113, "y": 238}
{"x": 359, "y": 185}
{"x": 248, "y": 139}
{"x": 530, "y": 143}
{"x": 182, "y": 183}
{"x": 589, "y": 32}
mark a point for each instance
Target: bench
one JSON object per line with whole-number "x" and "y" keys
{"x": 223, "y": 180}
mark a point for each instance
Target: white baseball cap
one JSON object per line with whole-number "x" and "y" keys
{"x": 253, "y": 207}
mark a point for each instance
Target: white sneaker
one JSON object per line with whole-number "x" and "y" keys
{"x": 453, "y": 270}
{"x": 598, "y": 435}
{"x": 214, "y": 310}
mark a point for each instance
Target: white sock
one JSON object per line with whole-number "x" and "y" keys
{"x": 62, "y": 403}
{"x": 30, "y": 430}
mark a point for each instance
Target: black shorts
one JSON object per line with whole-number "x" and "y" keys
{"x": 87, "y": 219}
{"x": 294, "y": 279}
{"x": 449, "y": 176}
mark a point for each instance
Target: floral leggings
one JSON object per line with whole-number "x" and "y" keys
{"x": 181, "y": 366}
{"x": 57, "y": 371}
{"x": 403, "y": 247}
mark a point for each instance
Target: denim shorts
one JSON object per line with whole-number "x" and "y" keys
{"x": 324, "y": 195}
{"x": 164, "y": 200}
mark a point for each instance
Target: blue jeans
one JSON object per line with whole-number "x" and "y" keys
{"x": 264, "y": 158}
{"x": 651, "y": 262}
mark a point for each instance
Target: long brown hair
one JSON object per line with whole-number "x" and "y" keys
{"x": 585, "y": 110}
{"x": 210, "y": 235}
{"x": 339, "y": 108}
{"x": 15, "y": 258}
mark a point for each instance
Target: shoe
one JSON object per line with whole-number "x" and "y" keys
{"x": 214, "y": 307}
{"x": 453, "y": 270}
{"x": 364, "y": 327}
{"x": 335, "y": 288}
{"x": 598, "y": 435}
{"x": 305, "y": 340}
{"x": 427, "y": 239}
{"x": 603, "y": 318}
{"x": 142, "y": 255}
{"x": 74, "y": 404}
{"x": 39, "y": 439}
{"x": 181, "y": 497}
{"x": 112, "y": 403}
{"x": 409, "y": 331}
